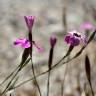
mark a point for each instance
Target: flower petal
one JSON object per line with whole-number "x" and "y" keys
{"x": 22, "y": 42}
{"x": 74, "y": 41}
{"x": 29, "y": 21}
{"x": 38, "y": 47}
{"x": 67, "y": 39}
{"x": 18, "y": 42}
{"x": 26, "y": 44}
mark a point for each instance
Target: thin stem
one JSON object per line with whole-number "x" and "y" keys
{"x": 54, "y": 66}
{"x": 20, "y": 68}
{"x": 91, "y": 87}
{"x": 48, "y": 83}
{"x": 8, "y": 85}
{"x": 35, "y": 78}
{"x": 31, "y": 51}
{"x": 77, "y": 55}
{"x": 66, "y": 68}
{"x": 49, "y": 66}
{"x": 7, "y": 78}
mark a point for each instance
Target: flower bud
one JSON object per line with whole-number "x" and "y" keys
{"x": 29, "y": 21}
{"x": 53, "y": 41}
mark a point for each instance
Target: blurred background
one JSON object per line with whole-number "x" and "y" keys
{"x": 52, "y": 17}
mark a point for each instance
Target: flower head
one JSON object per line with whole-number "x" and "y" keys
{"x": 29, "y": 21}
{"x": 53, "y": 40}
{"x": 26, "y": 44}
{"x": 87, "y": 26}
{"x": 74, "y": 38}
{"x": 22, "y": 42}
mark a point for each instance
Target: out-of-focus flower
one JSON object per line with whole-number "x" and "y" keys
{"x": 74, "y": 38}
{"x": 87, "y": 26}
{"x": 22, "y": 42}
{"x": 53, "y": 40}
{"x": 29, "y": 21}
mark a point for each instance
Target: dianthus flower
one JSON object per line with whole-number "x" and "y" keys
{"x": 74, "y": 38}
{"x": 24, "y": 43}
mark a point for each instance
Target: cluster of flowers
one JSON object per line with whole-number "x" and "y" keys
{"x": 73, "y": 38}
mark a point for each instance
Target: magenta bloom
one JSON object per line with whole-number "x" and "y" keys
{"x": 22, "y": 42}
{"x": 53, "y": 41}
{"x": 74, "y": 38}
{"x": 87, "y": 26}
{"x": 29, "y": 21}
{"x": 26, "y": 44}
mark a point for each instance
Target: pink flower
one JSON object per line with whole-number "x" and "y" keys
{"x": 74, "y": 38}
{"x": 22, "y": 42}
{"x": 53, "y": 40}
{"x": 29, "y": 21}
{"x": 87, "y": 26}
{"x": 26, "y": 44}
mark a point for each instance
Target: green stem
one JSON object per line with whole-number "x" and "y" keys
{"x": 35, "y": 78}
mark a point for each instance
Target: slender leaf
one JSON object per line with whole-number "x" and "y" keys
{"x": 88, "y": 72}
{"x": 50, "y": 58}
{"x": 25, "y": 55}
{"x": 87, "y": 68}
